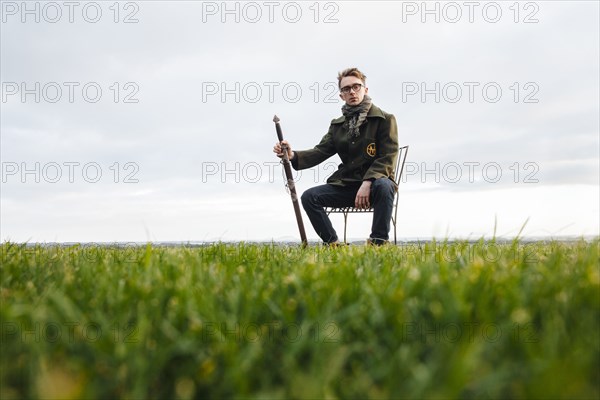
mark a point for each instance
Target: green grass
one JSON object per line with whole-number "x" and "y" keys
{"x": 441, "y": 320}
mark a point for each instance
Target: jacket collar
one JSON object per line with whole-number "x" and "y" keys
{"x": 374, "y": 111}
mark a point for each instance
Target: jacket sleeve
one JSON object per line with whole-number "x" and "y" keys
{"x": 387, "y": 140}
{"x": 321, "y": 152}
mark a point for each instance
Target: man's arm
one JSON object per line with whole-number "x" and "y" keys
{"x": 309, "y": 158}
{"x": 387, "y": 143}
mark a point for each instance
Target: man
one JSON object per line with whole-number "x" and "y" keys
{"x": 366, "y": 139}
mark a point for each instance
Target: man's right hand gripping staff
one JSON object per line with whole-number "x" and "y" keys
{"x": 277, "y": 150}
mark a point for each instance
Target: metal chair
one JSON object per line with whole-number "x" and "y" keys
{"x": 402, "y": 152}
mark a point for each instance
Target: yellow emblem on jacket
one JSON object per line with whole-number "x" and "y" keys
{"x": 371, "y": 149}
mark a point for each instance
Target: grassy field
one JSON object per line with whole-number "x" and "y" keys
{"x": 438, "y": 320}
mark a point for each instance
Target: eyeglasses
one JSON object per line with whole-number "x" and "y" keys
{"x": 355, "y": 88}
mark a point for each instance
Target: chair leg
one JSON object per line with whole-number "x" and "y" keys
{"x": 345, "y": 224}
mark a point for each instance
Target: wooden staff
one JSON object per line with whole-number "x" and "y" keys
{"x": 290, "y": 181}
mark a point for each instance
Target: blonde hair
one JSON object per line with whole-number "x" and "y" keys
{"x": 351, "y": 72}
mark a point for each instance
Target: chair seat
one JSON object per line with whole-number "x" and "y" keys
{"x": 344, "y": 210}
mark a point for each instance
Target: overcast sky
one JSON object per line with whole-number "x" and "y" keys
{"x": 152, "y": 120}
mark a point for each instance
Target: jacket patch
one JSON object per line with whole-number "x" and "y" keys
{"x": 371, "y": 150}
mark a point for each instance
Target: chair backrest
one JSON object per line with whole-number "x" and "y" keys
{"x": 402, "y": 152}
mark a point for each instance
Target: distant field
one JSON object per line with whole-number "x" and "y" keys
{"x": 438, "y": 320}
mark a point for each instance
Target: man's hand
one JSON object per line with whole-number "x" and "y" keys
{"x": 362, "y": 196}
{"x": 277, "y": 150}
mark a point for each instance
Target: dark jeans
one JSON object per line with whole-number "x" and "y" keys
{"x": 381, "y": 199}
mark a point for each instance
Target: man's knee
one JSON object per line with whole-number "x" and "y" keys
{"x": 307, "y": 198}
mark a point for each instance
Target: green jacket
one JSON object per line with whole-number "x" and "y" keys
{"x": 370, "y": 156}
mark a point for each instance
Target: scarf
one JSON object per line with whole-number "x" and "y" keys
{"x": 356, "y": 115}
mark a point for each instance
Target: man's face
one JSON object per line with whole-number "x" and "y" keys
{"x": 352, "y": 97}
